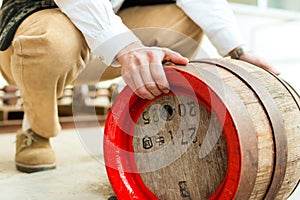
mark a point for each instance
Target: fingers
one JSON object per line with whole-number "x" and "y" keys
{"x": 269, "y": 67}
{"x": 135, "y": 81}
{"x": 154, "y": 76}
{"x": 258, "y": 61}
{"x": 150, "y": 82}
{"x": 159, "y": 77}
{"x": 174, "y": 57}
{"x": 147, "y": 81}
{"x": 143, "y": 71}
{"x": 157, "y": 73}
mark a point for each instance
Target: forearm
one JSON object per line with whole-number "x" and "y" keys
{"x": 104, "y": 31}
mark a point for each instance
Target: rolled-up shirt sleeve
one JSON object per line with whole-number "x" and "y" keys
{"x": 103, "y": 30}
{"x": 216, "y": 20}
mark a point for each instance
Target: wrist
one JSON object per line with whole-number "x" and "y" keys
{"x": 237, "y": 52}
{"x": 131, "y": 47}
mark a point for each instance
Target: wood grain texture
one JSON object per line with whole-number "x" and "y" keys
{"x": 171, "y": 165}
{"x": 170, "y": 162}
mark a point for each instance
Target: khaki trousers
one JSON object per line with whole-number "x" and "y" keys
{"x": 48, "y": 53}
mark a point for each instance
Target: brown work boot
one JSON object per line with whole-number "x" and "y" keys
{"x": 33, "y": 153}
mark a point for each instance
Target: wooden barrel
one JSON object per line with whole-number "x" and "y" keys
{"x": 227, "y": 130}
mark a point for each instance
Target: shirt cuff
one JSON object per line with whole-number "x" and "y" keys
{"x": 225, "y": 41}
{"x": 108, "y": 50}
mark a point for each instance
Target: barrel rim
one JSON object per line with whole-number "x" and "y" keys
{"x": 117, "y": 179}
{"x": 271, "y": 109}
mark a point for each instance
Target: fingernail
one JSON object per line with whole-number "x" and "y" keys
{"x": 166, "y": 91}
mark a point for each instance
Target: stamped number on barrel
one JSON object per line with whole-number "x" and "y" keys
{"x": 168, "y": 137}
{"x": 166, "y": 111}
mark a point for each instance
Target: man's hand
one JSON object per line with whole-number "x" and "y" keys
{"x": 258, "y": 61}
{"x": 142, "y": 68}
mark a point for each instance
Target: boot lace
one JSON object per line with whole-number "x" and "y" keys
{"x": 28, "y": 138}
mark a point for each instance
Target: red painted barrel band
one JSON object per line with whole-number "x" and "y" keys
{"x": 127, "y": 184}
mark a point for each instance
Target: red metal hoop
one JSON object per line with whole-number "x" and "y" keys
{"x": 119, "y": 128}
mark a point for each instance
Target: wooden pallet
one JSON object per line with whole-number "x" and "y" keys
{"x": 95, "y": 103}
{"x": 11, "y": 117}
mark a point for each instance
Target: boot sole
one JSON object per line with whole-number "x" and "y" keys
{"x": 34, "y": 168}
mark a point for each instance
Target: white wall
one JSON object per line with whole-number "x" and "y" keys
{"x": 273, "y": 34}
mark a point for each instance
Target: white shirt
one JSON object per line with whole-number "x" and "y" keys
{"x": 106, "y": 35}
